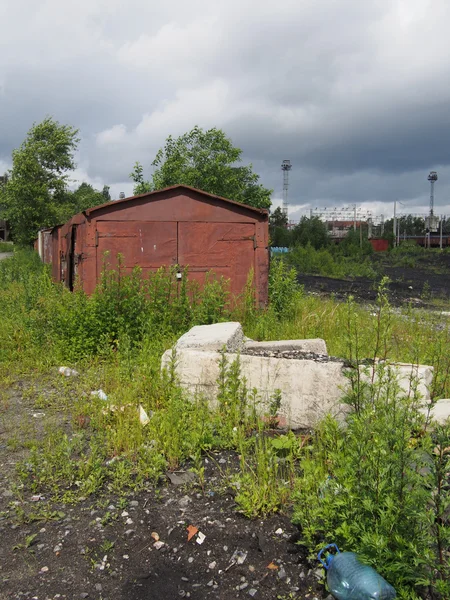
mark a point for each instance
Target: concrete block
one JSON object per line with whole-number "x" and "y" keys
{"x": 441, "y": 411}
{"x": 309, "y": 389}
{"x": 311, "y": 386}
{"x": 213, "y": 337}
{"x": 314, "y": 346}
{"x": 407, "y": 374}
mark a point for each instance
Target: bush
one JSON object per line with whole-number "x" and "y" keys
{"x": 376, "y": 487}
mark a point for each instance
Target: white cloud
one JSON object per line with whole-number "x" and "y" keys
{"x": 354, "y": 93}
{"x": 113, "y": 135}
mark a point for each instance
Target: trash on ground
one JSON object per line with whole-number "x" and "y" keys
{"x": 238, "y": 557}
{"x": 37, "y": 497}
{"x": 201, "y": 537}
{"x": 99, "y": 394}
{"x": 349, "y": 579}
{"x": 143, "y": 416}
{"x": 192, "y": 530}
{"x": 272, "y": 566}
{"x": 68, "y": 372}
{"x": 38, "y": 415}
{"x": 155, "y": 536}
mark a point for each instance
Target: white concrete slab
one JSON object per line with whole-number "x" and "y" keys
{"x": 315, "y": 346}
{"x": 213, "y": 337}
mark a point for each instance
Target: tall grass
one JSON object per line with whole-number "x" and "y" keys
{"x": 378, "y": 486}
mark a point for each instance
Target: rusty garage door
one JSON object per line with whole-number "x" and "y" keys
{"x": 228, "y": 249}
{"x": 141, "y": 243}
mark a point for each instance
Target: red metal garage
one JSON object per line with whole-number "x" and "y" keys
{"x": 175, "y": 226}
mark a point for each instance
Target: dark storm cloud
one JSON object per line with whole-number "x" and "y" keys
{"x": 354, "y": 93}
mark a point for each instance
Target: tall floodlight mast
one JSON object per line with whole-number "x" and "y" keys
{"x": 285, "y": 167}
{"x": 432, "y": 177}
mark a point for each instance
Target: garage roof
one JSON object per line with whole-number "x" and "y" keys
{"x": 260, "y": 211}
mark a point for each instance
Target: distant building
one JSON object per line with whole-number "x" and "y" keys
{"x": 339, "y": 229}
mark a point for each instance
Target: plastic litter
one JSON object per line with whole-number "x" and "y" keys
{"x": 68, "y": 372}
{"x": 99, "y": 394}
{"x": 143, "y": 416}
{"x": 239, "y": 557}
{"x": 349, "y": 579}
{"x": 201, "y": 537}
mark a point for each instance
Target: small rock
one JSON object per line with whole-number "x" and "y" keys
{"x": 184, "y": 501}
{"x": 210, "y": 583}
{"x": 123, "y": 514}
{"x": 130, "y": 532}
{"x": 212, "y": 565}
{"x": 98, "y": 587}
{"x": 57, "y": 548}
{"x": 243, "y": 586}
{"x": 44, "y": 570}
{"x": 252, "y": 592}
{"x": 281, "y": 573}
{"x": 125, "y": 556}
{"x": 191, "y": 559}
{"x": 181, "y": 478}
{"x": 279, "y": 531}
{"x": 155, "y": 536}
{"x": 158, "y": 545}
{"x": 134, "y": 503}
{"x": 84, "y": 595}
{"x": 319, "y": 573}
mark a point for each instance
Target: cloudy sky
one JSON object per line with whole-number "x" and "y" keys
{"x": 356, "y": 93}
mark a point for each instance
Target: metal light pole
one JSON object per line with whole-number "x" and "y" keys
{"x": 285, "y": 167}
{"x": 395, "y": 222}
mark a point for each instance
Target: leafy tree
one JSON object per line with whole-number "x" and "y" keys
{"x": 84, "y": 197}
{"x": 356, "y": 243}
{"x": 278, "y": 218}
{"x": 206, "y": 160}
{"x": 141, "y": 186}
{"x": 105, "y": 193}
{"x": 311, "y": 231}
{"x": 409, "y": 224}
{"x": 278, "y": 232}
{"x": 36, "y": 191}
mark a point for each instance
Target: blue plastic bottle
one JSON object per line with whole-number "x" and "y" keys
{"x": 349, "y": 579}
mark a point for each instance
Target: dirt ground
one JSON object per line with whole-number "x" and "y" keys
{"x": 136, "y": 548}
{"x": 425, "y": 284}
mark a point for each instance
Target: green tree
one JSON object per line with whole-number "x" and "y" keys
{"x": 278, "y": 218}
{"x": 355, "y": 243}
{"x": 84, "y": 197}
{"x": 37, "y": 187}
{"x": 206, "y": 160}
{"x": 141, "y": 186}
{"x": 409, "y": 225}
{"x": 278, "y": 232}
{"x": 105, "y": 193}
{"x": 311, "y": 231}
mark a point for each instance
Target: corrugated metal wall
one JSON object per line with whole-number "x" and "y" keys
{"x": 177, "y": 226}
